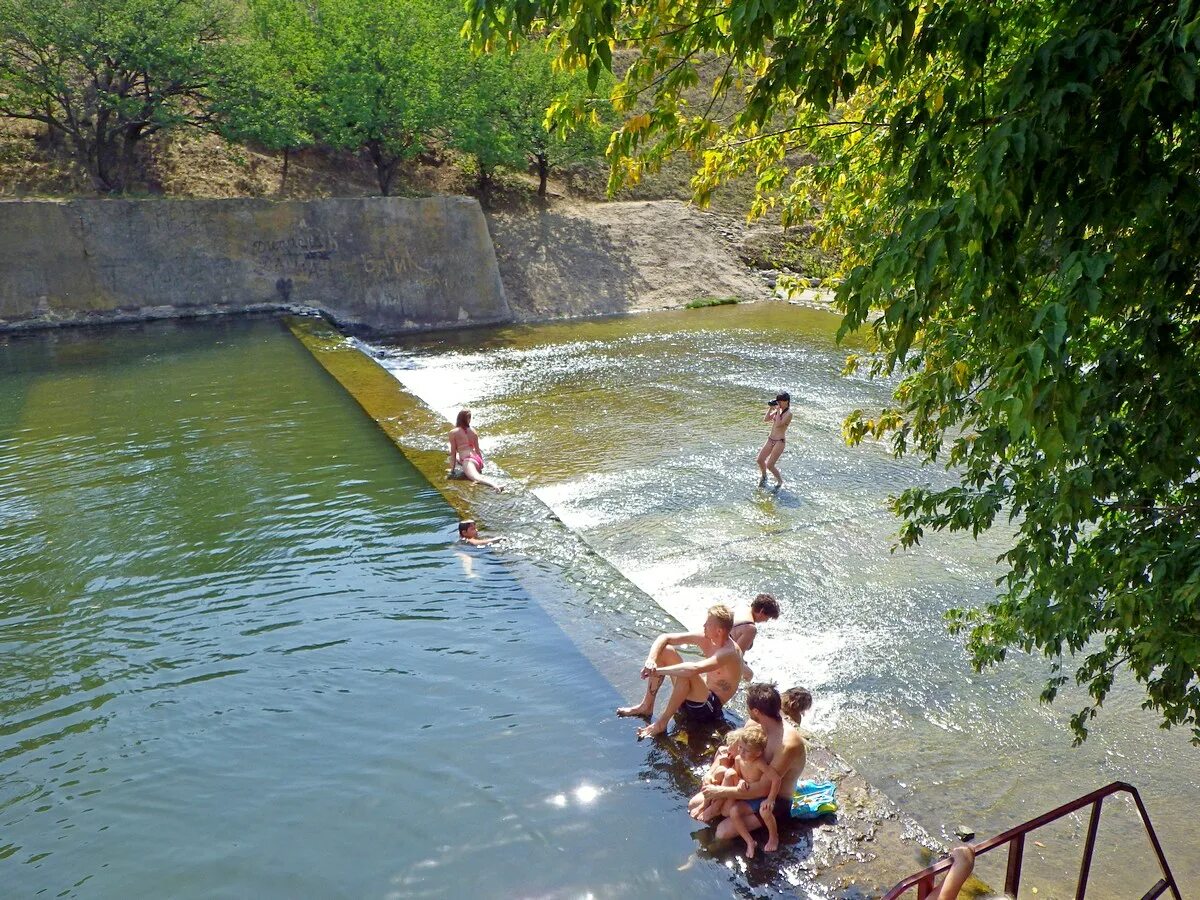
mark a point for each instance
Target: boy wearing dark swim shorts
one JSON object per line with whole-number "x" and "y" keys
{"x": 699, "y": 689}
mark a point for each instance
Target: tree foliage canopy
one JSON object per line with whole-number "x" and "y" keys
{"x": 271, "y": 94}
{"x": 109, "y": 73}
{"x": 1015, "y": 186}
{"x": 502, "y": 112}
{"x": 386, "y": 77}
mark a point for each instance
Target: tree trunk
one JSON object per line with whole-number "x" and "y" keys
{"x": 385, "y": 169}
{"x": 53, "y": 138}
{"x": 543, "y": 167}
{"x": 101, "y": 158}
{"x": 107, "y": 164}
{"x": 128, "y": 158}
{"x": 287, "y": 154}
{"x": 385, "y": 178}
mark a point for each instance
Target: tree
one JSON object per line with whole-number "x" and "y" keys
{"x": 501, "y": 117}
{"x": 482, "y": 119}
{"x": 1016, "y": 190}
{"x": 385, "y": 67}
{"x": 538, "y": 86}
{"x": 272, "y": 85}
{"x": 107, "y": 74}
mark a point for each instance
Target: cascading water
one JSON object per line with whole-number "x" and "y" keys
{"x": 641, "y": 432}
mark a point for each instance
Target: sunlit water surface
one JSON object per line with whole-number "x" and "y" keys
{"x": 242, "y": 656}
{"x": 641, "y": 433}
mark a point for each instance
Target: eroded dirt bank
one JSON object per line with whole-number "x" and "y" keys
{"x": 579, "y": 259}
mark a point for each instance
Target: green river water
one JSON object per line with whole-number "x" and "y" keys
{"x": 640, "y": 433}
{"x": 242, "y": 656}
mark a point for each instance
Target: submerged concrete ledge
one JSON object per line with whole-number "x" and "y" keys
{"x": 859, "y": 853}
{"x": 381, "y": 264}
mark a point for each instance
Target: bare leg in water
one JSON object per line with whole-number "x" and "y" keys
{"x": 682, "y": 688}
{"x": 762, "y": 461}
{"x": 773, "y": 455}
{"x": 471, "y": 473}
{"x": 734, "y": 814}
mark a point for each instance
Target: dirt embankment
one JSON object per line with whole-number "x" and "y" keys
{"x": 578, "y": 259}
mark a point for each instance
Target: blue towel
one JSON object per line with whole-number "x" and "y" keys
{"x": 813, "y": 799}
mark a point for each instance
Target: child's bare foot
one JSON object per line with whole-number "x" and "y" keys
{"x": 750, "y": 848}
{"x": 639, "y": 710}
{"x": 771, "y": 846}
{"x": 710, "y": 812}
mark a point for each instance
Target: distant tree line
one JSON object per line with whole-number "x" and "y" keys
{"x": 388, "y": 79}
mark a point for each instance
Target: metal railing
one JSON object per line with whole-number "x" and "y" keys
{"x": 1014, "y": 838}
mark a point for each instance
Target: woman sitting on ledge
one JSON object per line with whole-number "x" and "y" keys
{"x": 465, "y": 456}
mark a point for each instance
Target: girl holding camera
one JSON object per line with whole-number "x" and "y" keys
{"x": 779, "y": 414}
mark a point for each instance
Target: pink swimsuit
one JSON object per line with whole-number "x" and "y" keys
{"x": 472, "y": 455}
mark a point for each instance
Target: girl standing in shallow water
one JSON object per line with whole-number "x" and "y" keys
{"x": 779, "y": 414}
{"x": 465, "y": 452}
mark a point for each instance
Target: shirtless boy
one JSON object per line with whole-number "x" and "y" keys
{"x": 756, "y": 777}
{"x": 702, "y": 688}
{"x": 722, "y": 770}
{"x": 779, "y": 415}
{"x": 745, "y": 625}
{"x": 468, "y": 533}
{"x": 786, "y": 754}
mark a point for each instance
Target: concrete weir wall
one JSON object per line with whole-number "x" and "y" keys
{"x": 384, "y": 264}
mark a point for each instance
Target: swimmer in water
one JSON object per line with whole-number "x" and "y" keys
{"x": 465, "y": 454}
{"x": 779, "y": 414}
{"x": 468, "y": 533}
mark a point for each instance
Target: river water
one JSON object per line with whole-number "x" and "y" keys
{"x": 640, "y": 433}
{"x": 241, "y": 654}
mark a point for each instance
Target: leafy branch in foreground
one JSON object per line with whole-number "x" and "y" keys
{"x": 1017, "y": 193}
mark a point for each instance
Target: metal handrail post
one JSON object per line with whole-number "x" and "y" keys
{"x": 1014, "y": 839}
{"x": 1016, "y": 855}
{"x": 1089, "y": 847}
{"x": 1158, "y": 850}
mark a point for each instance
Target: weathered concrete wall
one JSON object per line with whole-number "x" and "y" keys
{"x": 386, "y": 264}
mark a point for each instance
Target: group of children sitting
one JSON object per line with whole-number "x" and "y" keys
{"x": 740, "y": 763}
